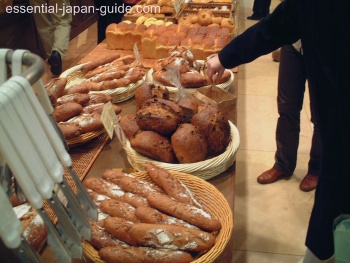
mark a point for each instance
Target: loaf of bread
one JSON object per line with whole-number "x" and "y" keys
{"x": 171, "y": 237}
{"x": 99, "y": 62}
{"x": 143, "y": 255}
{"x": 117, "y": 208}
{"x": 80, "y": 98}
{"x": 34, "y": 230}
{"x": 214, "y": 126}
{"x": 104, "y": 187}
{"x": 148, "y": 91}
{"x": 66, "y": 111}
{"x": 150, "y": 215}
{"x": 83, "y": 87}
{"x": 135, "y": 200}
{"x": 189, "y": 107}
{"x": 55, "y": 89}
{"x": 98, "y": 198}
{"x": 120, "y": 228}
{"x": 139, "y": 186}
{"x": 171, "y": 184}
{"x": 113, "y": 175}
{"x": 87, "y": 122}
{"x": 100, "y": 238}
{"x": 189, "y": 213}
{"x": 69, "y": 130}
{"x": 153, "y": 145}
{"x": 189, "y": 144}
{"x": 99, "y": 98}
{"x": 159, "y": 115}
{"x": 98, "y": 108}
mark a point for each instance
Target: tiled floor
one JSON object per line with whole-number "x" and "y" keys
{"x": 270, "y": 220}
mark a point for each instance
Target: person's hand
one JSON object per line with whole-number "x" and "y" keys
{"x": 214, "y": 67}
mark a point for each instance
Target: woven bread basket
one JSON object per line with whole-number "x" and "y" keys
{"x": 84, "y": 138}
{"x": 213, "y": 201}
{"x": 75, "y": 76}
{"x": 205, "y": 169}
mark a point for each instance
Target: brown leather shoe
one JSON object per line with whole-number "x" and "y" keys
{"x": 272, "y": 175}
{"x": 309, "y": 183}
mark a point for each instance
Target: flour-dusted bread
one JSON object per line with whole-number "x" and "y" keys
{"x": 143, "y": 255}
{"x": 171, "y": 184}
{"x": 104, "y": 187}
{"x": 118, "y": 208}
{"x": 66, "y": 111}
{"x": 189, "y": 213}
{"x": 139, "y": 186}
{"x": 148, "y": 91}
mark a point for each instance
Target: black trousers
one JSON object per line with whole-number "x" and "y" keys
{"x": 261, "y": 8}
{"x": 291, "y": 89}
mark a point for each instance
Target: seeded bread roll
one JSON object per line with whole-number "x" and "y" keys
{"x": 143, "y": 255}
{"x": 154, "y": 146}
{"x": 189, "y": 144}
{"x": 171, "y": 184}
{"x": 66, "y": 111}
{"x": 189, "y": 213}
{"x": 117, "y": 208}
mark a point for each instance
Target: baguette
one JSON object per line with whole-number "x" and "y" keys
{"x": 153, "y": 216}
{"x": 189, "y": 213}
{"x": 135, "y": 200}
{"x": 100, "y": 238}
{"x": 80, "y": 98}
{"x": 103, "y": 187}
{"x": 138, "y": 186}
{"x": 171, "y": 184}
{"x": 66, "y": 111}
{"x": 114, "y": 176}
{"x": 143, "y": 255}
{"x": 99, "y": 62}
{"x": 118, "y": 208}
{"x": 119, "y": 228}
{"x": 171, "y": 237}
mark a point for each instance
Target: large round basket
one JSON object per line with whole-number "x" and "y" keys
{"x": 75, "y": 76}
{"x": 205, "y": 169}
{"x": 212, "y": 200}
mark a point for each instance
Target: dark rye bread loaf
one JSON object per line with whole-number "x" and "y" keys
{"x": 159, "y": 115}
{"x": 189, "y": 107}
{"x": 214, "y": 126}
{"x": 189, "y": 145}
{"x": 129, "y": 125}
{"x": 148, "y": 91}
{"x": 153, "y": 145}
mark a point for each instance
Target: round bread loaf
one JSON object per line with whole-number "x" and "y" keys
{"x": 159, "y": 115}
{"x": 188, "y": 144}
{"x": 189, "y": 107}
{"x": 153, "y": 145}
{"x": 149, "y": 91}
{"x": 215, "y": 128}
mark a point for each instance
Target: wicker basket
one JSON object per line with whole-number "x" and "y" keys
{"x": 205, "y": 169}
{"x": 84, "y": 138}
{"x": 213, "y": 201}
{"x": 75, "y": 76}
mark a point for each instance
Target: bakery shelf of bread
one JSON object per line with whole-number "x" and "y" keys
{"x": 155, "y": 41}
{"x": 138, "y": 219}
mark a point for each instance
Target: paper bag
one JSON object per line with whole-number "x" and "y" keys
{"x": 216, "y": 97}
{"x": 341, "y": 233}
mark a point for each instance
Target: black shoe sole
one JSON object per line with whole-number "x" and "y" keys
{"x": 56, "y": 65}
